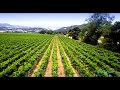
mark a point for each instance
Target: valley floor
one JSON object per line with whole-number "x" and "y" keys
{"x": 39, "y": 55}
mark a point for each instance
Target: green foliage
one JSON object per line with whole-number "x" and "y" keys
{"x": 66, "y": 64}
{"x": 23, "y": 52}
{"x": 100, "y": 24}
{"x": 115, "y": 36}
{"x": 41, "y": 70}
{"x": 83, "y": 32}
{"x": 96, "y": 22}
{"x": 55, "y": 63}
{"x": 46, "y": 32}
{"x": 93, "y": 61}
{"x": 74, "y": 33}
{"x": 111, "y": 37}
{"x": 20, "y": 52}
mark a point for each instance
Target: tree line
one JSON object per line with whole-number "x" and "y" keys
{"x": 99, "y": 27}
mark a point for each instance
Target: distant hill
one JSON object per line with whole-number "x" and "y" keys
{"x": 18, "y": 28}
{"x": 69, "y": 27}
{"x": 5, "y": 27}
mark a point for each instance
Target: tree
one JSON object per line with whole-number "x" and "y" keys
{"x": 83, "y": 32}
{"x": 111, "y": 35}
{"x": 74, "y": 33}
{"x": 49, "y": 32}
{"x": 42, "y": 32}
{"x": 106, "y": 41}
{"x": 46, "y": 32}
{"x": 115, "y": 36}
{"x": 96, "y": 21}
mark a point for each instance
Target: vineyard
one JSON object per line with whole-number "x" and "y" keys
{"x": 42, "y": 55}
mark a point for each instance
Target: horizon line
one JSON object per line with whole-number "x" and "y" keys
{"x": 46, "y": 27}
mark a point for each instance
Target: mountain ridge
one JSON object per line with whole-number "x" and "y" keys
{"x": 11, "y": 28}
{"x": 62, "y": 29}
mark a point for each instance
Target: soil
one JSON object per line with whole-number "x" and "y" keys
{"x": 37, "y": 66}
{"x": 61, "y": 72}
{"x": 76, "y": 74}
{"x": 49, "y": 66}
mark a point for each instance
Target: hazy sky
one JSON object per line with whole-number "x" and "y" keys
{"x": 47, "y": 20}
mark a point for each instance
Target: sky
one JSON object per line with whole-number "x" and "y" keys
{"x": 48, "y": 20}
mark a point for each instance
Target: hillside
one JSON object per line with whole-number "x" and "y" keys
{"x": 69, "y": 27}
{"x": 5, "y": 27}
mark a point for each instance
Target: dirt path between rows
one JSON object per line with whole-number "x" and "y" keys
{"x": 76, "y": 74}
{"x": 61, "y": 72}
{"x": 37, "y": 66}
{"x": 48, "y": 72}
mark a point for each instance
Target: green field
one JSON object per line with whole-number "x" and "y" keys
{"x": 42, "y": 55}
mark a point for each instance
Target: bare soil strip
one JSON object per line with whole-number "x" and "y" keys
{"x": 48, "y": 72}
{"x": 61, "y": 72}
{"x": 76, "y": 74}
{"x": 37, "y": 66}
